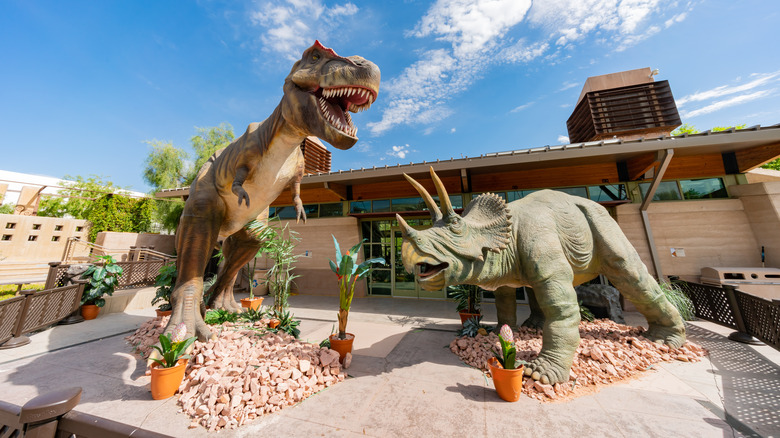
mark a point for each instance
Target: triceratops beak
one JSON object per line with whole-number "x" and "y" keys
{"x": 407, "y": 231}
{"x": 432, "y": 207}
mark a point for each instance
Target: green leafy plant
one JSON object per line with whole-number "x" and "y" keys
{"x": 280, "y": 252}
{"x": 585, "y": 313}
{"x": 165, "y": 282}
{"x": 678, "y": 298}
{"x": 288, "y": 324}
{"x": 508, "y": 354}
{"x": 219, "y": 316}
{"x": 467, "y": 297}
{"x": 173, "y": 348}
{"x": 266, "y": 234}
{"x": 349, "y": 272}
{"x": 472, "y": 326}
{"x": 253, "y": 315}
{"x": 102, "y": 280}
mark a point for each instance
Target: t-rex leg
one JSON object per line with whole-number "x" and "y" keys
{"x": 238, "y": 249}
{"x": 195, "y": 239}
{"x": 560, "y": 338}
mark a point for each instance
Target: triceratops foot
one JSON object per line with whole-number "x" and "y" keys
{"x": 673, "y": 336}
{"x": 534, "y": 322}
{"x": 547, "y": 370}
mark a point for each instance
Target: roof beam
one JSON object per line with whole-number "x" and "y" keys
{"x": 664, "y": 157}
{"x": 749, "y": 159}
{"x": 638, "y": 166}
{"x": 464, "y": 181}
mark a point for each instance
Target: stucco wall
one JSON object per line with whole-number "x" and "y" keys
{"x": 711, "y": 232}
{"x": 49, "y": 241}
{"x": 762, "y": 205}
{"x": 121, "y": 242}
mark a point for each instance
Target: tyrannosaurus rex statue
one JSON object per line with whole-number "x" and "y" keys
{"x": 239, "y": 182}
{"x": 548, "y": 240}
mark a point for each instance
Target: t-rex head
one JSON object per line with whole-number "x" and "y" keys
{"x": 453, "y": 250}
{"x": 323, "y": 88}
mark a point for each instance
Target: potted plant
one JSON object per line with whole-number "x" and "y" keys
{"x": 469, "y": 301}
{"x": 102, "y": 280}
{"x": 266, "y": 234}
{"x": 348, "y": 272}
{"x": 506, "y": 370}
{"x": 165, "y": 282}
{"x": 168, "y": 372}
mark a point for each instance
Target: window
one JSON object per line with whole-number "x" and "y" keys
{"x": 55, "y": 238}
{"x": 703, "y": 188}
{"x": 667, "y": 191}
{"x": 331, "y": 210}
{"x": 360, "y": 207}
{"x": 287, "y": 212}
{"x": 574, "y": 191}
{"x": 32, "y": 238}
{"x": 514, "y": 195}
{"x": 409, "y": 204}
{"x": 6, "y": 237}
{"x": 58, "y": 228}
{"x": 10, "y": 225}
{"x": 381, "y": 205}
{"x": 36, "y": 226}
{"x": 79, "y": 229}
{"x": 607, "y": 192}
{"x": 312, "y": 211}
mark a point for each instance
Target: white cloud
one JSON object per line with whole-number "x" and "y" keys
{"x": 291, "y": 26}
{"x": 725, "y": 103}
{"x": 521, "y": 107}
{"x": 562, "y": 139}
{"x": 477, "y": 34}
{"x": 399, "y": 151}
{"x": 452, "y": 131}
{"x": 724, "y": 90}
{"x": 566, "y": 85}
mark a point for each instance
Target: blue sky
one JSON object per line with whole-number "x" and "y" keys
{"x": 83, "y": 84}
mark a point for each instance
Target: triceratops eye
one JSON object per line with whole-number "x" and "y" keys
{"x": 455, "y": 224}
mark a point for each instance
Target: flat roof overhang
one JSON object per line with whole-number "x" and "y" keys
{"x": 752, "y": 146}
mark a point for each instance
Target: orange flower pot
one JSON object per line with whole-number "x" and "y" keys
{"x": 253, "y": 304}
{"x": 508, "y": 383}
{"x": 161, "y": 313}
{"x": 89, "y": 311}
{"x": 465, "y": 316}
{"x": 165, "y": 381}
{"x": 342, "y": 346}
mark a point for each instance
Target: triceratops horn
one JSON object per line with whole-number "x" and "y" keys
{"x": 406, "y": 230}
{"x": 444, "y": 198}
{"x": 434, "y": 209}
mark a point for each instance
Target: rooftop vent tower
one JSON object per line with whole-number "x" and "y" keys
{"x": 627, "y": 105}
{"x": 315, "y": 154}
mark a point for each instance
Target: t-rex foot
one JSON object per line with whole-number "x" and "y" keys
{"x": 534, "y": 322}
{"x": 673, "y": 336}
{"x": 196, "y": 328}
{"x": 226, "y": 303}
{"x": 547, "y": 370}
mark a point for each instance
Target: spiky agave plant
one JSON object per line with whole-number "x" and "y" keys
{"x": 349, "y": 272}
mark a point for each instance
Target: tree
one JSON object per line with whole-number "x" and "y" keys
{"x": 5, "y": 208}
{"x": 77, "y": 196}
{"x": 206, "y": 142}
{"x": 686, "y": 128}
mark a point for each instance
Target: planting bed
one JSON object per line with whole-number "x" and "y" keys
{"x": 608, "y": 353}
{"x": 246, "y": 372}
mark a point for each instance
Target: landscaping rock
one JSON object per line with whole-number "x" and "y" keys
{"x": 601, "y": 296}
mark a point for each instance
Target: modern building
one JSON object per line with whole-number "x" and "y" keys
{"x": 685, "y": 203}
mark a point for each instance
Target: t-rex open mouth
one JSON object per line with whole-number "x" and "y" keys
{"x": 336, "y": 103}
{"x": 428, "y": 270}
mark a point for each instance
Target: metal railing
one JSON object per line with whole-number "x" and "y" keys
{"x": 738, "y": 310}
{"x": 134, "y": 253}
{"x": 51, "y": 415}
{"x": 134, "y": 274}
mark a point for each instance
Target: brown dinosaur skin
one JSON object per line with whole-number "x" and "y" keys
{"x": 550, "y": 241}
{"x": 239, "y": 182}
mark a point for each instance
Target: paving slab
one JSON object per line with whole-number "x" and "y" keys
{"x": 404, "y": 381}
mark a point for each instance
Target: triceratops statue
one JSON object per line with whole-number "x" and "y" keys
{"x": 549, "y": 241}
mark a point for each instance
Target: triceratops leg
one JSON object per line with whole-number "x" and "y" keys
{"x": 506, "y": 307}
{"x": 558, "y": 301}
{"x": 238, "y": 249}
{"x": 536, "y": 319}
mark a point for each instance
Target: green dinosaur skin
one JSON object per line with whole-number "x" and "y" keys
{"x": 549, "y": 241}
{"x": 239, "y": 182}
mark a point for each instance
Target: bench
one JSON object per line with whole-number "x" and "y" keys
{"x": 34, "y": 310}
{"x": 51, "y": 415}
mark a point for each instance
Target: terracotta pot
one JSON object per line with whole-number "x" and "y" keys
{"x": 274, "y": 323}
{"x": 508, "y": 383}
{"x": 253, "y": 304}
{"x": 161, "y": 313}
{"x": 342, "y": 346}
{"x": 89, "y": 311}
{"x": 465, "y": 316}
{"x": 165, "y": 381}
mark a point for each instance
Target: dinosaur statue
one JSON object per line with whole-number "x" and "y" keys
{"x": 239, "y": 182}
{"x": 548, "y": 240}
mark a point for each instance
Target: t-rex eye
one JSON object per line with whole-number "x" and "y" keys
{"x": 315, "y": 57}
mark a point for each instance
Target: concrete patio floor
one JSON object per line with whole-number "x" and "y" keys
{"x": 405, "y": 382}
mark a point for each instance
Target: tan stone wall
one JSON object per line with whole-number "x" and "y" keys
{"x": 711, "y": 232}
{"x": 49, "y": 241}
{"x": 762, "y": 205}
{"x": 119, "y": 243}
{"x": 316, "y": 278}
